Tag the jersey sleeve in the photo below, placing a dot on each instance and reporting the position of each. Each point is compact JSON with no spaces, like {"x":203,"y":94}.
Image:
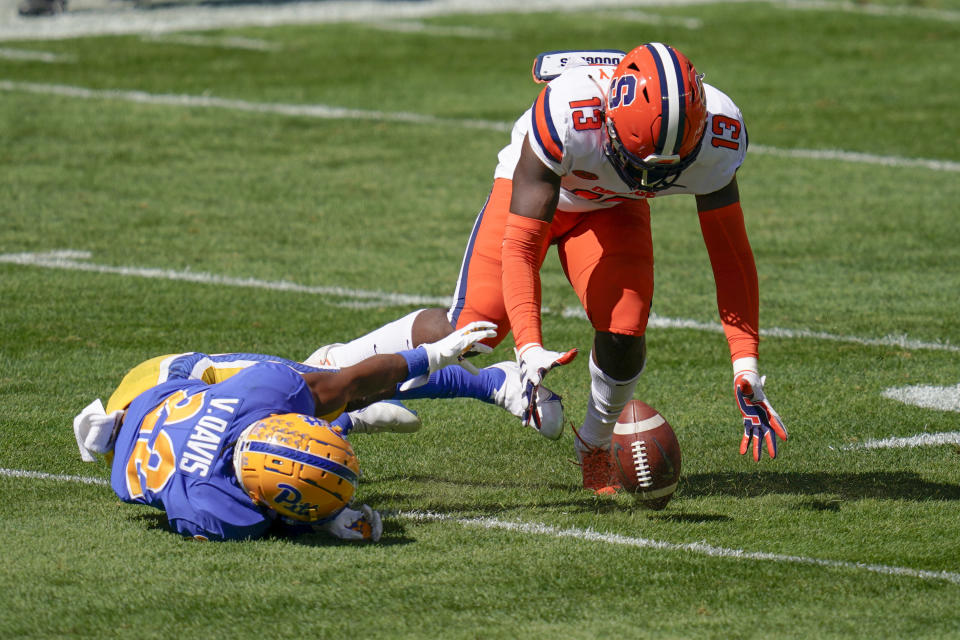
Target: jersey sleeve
{"x":546,"y":132}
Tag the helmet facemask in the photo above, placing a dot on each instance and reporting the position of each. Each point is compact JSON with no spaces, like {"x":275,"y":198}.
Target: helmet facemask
{"x":655,"y":117}
{"x":652,"y":173}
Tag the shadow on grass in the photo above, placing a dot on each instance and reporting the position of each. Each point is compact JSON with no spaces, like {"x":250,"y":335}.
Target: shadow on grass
{"x":899,"y":485}
{"x":394,"y":533}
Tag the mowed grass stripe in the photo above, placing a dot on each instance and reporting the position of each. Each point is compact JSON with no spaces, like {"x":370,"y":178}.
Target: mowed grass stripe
{"x":333,"y":112}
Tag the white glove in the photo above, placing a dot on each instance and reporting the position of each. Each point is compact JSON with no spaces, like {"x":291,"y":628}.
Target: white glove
{"x":450,"y":350}
{"x":535,"y":362}
{"x":351,"y":524}
{"x":761,"y":423}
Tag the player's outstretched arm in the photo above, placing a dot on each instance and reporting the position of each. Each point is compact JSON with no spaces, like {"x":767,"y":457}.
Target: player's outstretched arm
{"x":536,"y":191}
{"x":376,"y":378}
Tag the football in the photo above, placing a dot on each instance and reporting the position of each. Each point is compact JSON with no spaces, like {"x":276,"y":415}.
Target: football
{"x":645,"y":454}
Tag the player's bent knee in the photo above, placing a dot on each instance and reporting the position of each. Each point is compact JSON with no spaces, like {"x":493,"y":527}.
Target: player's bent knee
{"x":430,"y":325}
{"x":620,"y":356}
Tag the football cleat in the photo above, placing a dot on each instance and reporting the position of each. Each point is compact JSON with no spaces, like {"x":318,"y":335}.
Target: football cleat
{"x":548,"y":421}
{"x":596,"y":466}
{"x":656,"y":114}
{"x":385,"y":416}
{"x":296,"y":465}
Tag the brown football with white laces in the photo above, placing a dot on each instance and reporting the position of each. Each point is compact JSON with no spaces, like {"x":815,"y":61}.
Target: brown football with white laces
{"x":645,"y":454}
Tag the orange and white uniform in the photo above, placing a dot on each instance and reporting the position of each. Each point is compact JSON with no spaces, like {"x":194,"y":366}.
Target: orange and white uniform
{"x":601,"y":227}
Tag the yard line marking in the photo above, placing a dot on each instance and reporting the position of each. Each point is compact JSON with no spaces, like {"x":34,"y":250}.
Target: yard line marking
{"x":589,"y":535}
{"x":194,"y":18}
{"x":900,"y":11}
{"x":356,"y":298}
{"x":657,"y":19}
{"x":36,"y":56}
{"x":322,"y":111}
{"x":443,"y":31}
{"x":72,"y":260}
{"x":927,"y":396}
{"x":218,"y":42}
{"x":700,"y":548}
{"x":919,"y":440}
{"x":853,"y":156}
{"x":39,"y":475}
{"x":661,"y":322}
{"x":303,"y":110}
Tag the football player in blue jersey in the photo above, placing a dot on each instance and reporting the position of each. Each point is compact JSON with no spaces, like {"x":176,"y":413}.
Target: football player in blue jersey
{"x":234,"y":451}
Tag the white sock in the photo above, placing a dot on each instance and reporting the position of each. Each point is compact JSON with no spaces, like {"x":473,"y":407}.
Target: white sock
{"x":390,"y":338}
{"x":608,"y":397}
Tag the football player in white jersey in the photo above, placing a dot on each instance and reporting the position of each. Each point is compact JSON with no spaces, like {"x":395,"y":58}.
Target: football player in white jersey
{"x":605,"y":135}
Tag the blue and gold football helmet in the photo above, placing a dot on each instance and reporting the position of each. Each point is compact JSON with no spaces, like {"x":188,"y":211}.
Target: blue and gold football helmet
{"x":297,"y":465}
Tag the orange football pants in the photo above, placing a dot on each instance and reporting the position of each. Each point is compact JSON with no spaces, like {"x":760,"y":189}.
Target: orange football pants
{"x":606,"y":254}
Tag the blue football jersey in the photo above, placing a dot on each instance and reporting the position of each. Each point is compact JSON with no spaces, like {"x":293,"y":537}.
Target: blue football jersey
{"x":175,"y":448}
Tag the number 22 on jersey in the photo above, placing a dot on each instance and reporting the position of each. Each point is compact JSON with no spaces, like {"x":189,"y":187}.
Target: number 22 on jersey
{"x":151,"y":467}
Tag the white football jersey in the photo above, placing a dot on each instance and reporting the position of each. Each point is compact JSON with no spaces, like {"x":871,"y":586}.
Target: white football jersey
{"x":565,"y":125}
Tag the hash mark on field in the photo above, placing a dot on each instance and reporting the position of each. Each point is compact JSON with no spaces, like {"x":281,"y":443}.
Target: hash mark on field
{"x":927,"y":396}
{"x":362,"y":298}
{"x":329,"y":112}
{"x":589,"y":535}
{"x":920,"y":440}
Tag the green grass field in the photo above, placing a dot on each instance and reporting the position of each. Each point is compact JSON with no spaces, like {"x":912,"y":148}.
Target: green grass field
{"x":184,"y":214}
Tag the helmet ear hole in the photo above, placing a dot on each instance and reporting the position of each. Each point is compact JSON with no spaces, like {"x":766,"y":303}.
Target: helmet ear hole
{"x":296,"y":465}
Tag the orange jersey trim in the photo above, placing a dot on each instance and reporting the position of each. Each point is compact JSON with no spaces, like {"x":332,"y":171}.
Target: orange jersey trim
{"x":543,"y":129}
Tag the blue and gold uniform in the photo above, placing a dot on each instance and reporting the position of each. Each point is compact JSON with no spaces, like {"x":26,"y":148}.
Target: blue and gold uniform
{"x":174,"y":450}
{"x":194,"y":365}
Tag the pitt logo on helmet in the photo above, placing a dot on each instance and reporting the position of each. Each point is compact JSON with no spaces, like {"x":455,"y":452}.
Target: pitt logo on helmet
{"x":296,"y":465}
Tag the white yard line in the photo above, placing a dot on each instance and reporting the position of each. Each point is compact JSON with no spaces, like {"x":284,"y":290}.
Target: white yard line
{"x":214,"y":42}
{"x":589,"y":535}
{"x":353,"y":298}
{"x":920,"y":440}
{"x":71,"y":260}
{"x":106,"y":17}
{"x":29,"y":55}
{"x":927,"y":396}
{"x":699,"y":548}
{"x":322,"y":111}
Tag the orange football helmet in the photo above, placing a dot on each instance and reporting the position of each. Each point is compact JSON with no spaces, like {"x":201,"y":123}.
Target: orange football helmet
{"x":655,"y":118}
{"x":297,"y":465}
